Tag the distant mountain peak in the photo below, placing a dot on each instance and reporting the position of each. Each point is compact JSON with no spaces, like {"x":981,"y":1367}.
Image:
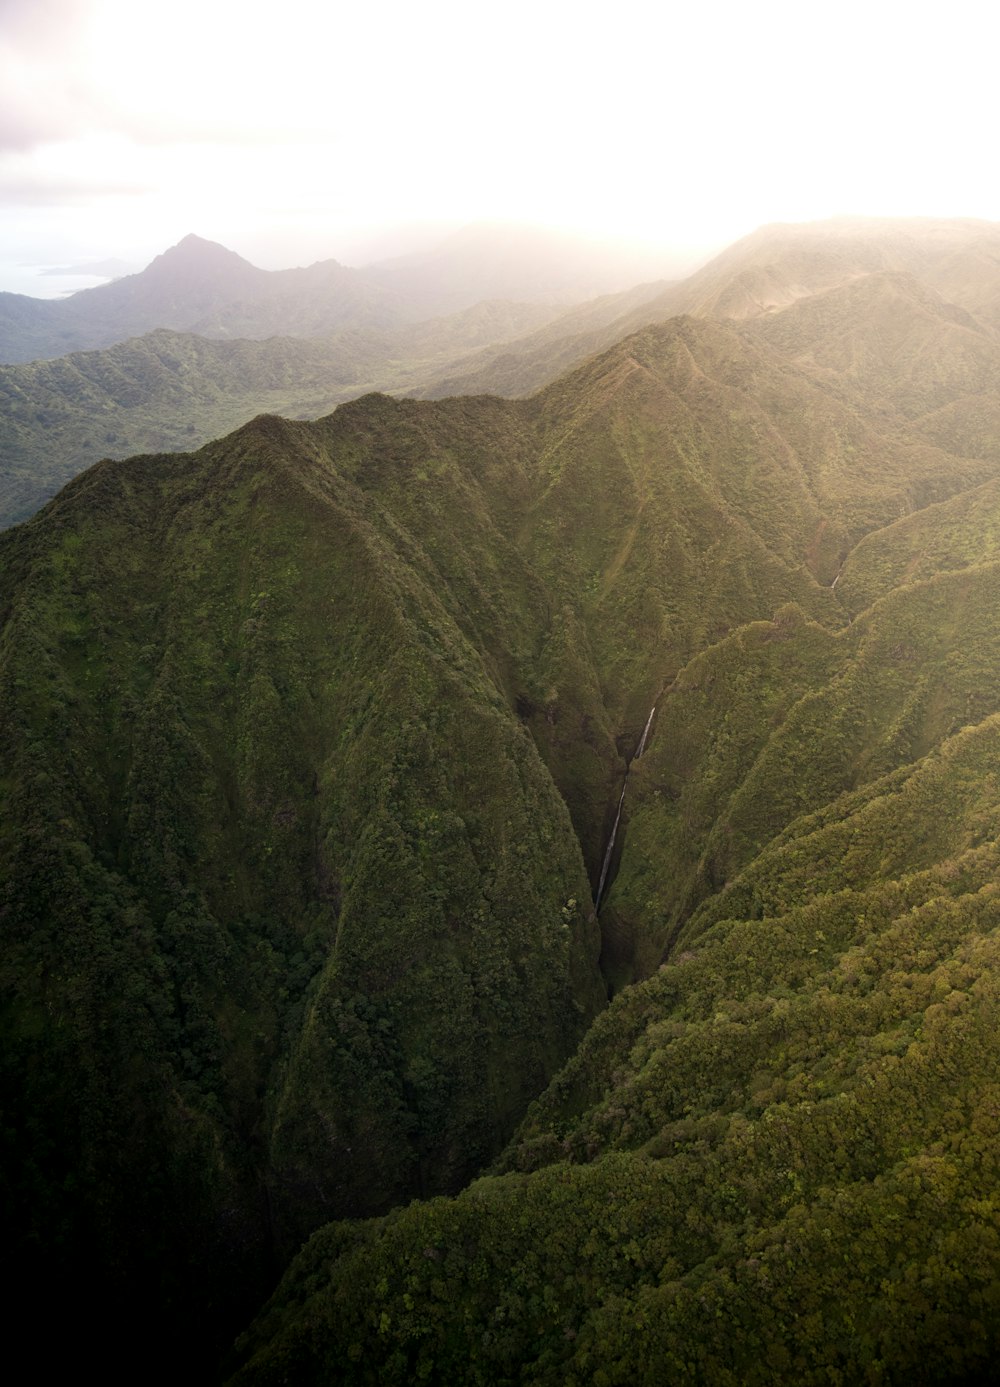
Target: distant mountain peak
{"x":194,"y":244}
{"x":194,"y":252}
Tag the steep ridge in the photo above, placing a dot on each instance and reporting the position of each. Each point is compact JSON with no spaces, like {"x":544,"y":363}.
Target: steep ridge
{"x":764,"y":273}
{"x":311,"y":741}
{"x":536,"y":358}
{"x":780,"y":264}
{"x":892,"y":340}
{"x":264,"y":779}
{"x":51,"y":424}
{"x":160,"y":392}
{"x":687,"y":482}
{"x":944,"y":538}
{"x":759,"y":744}
{"x":774,"y":1159}
{"x":167,"y":391}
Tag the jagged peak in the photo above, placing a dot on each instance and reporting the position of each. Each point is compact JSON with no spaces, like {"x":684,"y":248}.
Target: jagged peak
{"x":196,"y":253}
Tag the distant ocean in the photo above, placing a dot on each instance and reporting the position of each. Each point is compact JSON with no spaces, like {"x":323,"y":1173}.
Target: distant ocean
{"x":41,"y":283}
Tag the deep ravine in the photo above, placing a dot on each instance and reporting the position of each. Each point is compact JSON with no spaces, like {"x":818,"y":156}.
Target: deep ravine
{"x":621,"y":800}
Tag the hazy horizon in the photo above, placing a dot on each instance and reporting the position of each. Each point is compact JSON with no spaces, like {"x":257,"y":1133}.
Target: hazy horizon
{"x":358,"y":135}
{"x":48,"y":279}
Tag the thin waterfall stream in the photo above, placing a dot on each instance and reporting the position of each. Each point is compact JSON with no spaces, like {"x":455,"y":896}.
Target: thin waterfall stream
{"x":611,"y":841}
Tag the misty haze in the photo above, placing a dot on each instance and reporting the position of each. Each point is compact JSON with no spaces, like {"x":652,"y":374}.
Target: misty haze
{"x":500,"y":574}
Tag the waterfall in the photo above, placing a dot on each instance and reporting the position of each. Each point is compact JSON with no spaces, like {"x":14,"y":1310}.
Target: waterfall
{"x":611,"y":841}
{"x":649,"y":723}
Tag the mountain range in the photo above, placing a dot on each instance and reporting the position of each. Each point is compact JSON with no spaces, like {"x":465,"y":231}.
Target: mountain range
{"x":314,"y":740}
{"x":199,"y":286}
{"x":161,"y":394}
{"x":169,"y":391}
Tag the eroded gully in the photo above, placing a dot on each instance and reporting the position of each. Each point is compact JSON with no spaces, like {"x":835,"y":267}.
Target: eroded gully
{"x":621,"y":800}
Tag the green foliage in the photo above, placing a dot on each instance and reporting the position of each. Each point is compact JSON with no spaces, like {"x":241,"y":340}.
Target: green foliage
{"x":776,"y":1158}
{"x":170,"y":391}
{"x":943,"y":538}
{"x":233,"y":682}
{"x":310,"y":742}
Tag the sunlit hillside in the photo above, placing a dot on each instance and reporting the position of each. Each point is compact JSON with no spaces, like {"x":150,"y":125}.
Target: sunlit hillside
{"x":314,"y":738}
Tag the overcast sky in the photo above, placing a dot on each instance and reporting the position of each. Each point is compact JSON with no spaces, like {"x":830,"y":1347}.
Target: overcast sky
{"x":292,"y":131}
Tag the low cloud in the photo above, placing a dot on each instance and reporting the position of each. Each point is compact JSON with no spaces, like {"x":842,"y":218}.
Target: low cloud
{"x":37,"y":26}
{"x":29,"y":118}
{"x":41,"y":96}
{"x":20,"y":190}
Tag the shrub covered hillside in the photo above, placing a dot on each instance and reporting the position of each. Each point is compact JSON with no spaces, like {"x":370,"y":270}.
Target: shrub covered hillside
{"x":777,"y":1158}
{"x":295,"y":920}
{"x":312,"y":741}
{"x":173,"y":391}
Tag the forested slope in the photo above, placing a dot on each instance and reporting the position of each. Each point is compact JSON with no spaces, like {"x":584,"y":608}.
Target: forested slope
{"x":900,"y":316}
{"x":312,"y":742}
{"x":173,"y":391}
{"x":776,"y":1158}
{"x":295,"y":920}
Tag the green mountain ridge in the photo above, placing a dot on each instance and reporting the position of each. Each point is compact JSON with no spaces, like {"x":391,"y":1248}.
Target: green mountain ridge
{"x":765,"y":273}
{"x":262,"y":806}
{"x":773,"y":1159}
{"x":313,"y":739}
{"x":52,"y":423}
{"x":170,"y":391}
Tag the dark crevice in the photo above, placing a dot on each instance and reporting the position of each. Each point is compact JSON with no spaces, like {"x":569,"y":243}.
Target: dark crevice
{"x":603,"y":881}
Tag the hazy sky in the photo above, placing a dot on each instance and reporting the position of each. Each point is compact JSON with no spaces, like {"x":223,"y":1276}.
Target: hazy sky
{"x":291,"y":131}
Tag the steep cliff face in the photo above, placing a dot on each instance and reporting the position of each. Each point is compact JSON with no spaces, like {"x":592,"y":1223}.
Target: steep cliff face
{"x":312,"y":741}
{"x":296,"y":919}
{"x":776,"y":1157}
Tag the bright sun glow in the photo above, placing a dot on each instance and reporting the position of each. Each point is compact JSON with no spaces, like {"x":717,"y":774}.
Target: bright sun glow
{"x":287,"y":130}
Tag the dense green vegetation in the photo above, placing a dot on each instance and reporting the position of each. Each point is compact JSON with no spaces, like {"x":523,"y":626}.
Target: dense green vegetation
{"x":234,"y":788}
{"x":776,"y":1158}
{"x":171,"y":391}
{"x":312,"y":739}
{"x":874,"y":318}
